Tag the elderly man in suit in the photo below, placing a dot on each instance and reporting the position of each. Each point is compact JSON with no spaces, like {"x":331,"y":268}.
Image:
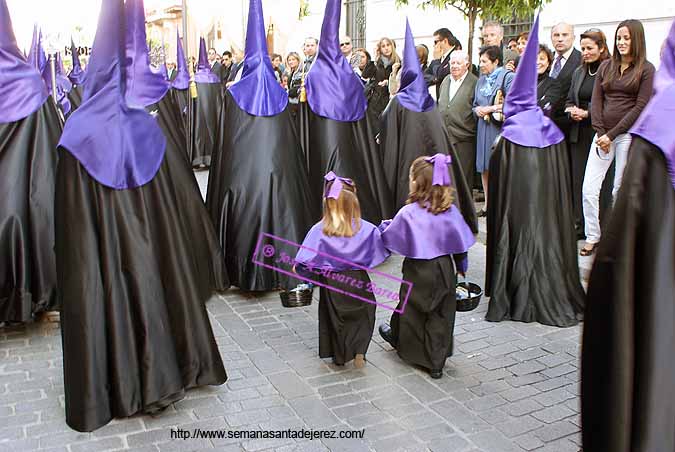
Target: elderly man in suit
{"x":455,"y":103}
{"x":566,"y":60}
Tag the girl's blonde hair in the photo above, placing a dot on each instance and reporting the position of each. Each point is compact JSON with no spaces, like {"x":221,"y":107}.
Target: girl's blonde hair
{"x":394,"y":55}
{"x":435,"y":198}
{"x":342,"y":216}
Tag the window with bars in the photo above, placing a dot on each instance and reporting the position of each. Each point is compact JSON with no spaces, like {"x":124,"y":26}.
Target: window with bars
{"x":356,"y":21}
{"x":514,"y":26}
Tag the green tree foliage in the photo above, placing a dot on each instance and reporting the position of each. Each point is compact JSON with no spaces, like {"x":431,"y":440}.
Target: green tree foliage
{"x":472,"y":9}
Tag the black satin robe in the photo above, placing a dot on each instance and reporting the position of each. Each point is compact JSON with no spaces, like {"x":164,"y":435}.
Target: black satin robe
{"x":28,"y":161}
{"x":75,"y":97}
{"x":206,"y":113}
{"x":627,"y":372}
{"x":132,"y":284}
{"x":346,"y":323}
{"x":532,"y":272}
{"x":406,"y":135}
{"x":348,"y":149}
{"x":258,"y":184}
{"x":185,"y":106}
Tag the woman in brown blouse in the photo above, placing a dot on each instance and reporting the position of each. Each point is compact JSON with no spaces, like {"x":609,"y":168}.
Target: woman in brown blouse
{"x":622,"y":88}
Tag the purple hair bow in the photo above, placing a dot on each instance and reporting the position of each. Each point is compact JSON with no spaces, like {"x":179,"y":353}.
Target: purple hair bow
{"x":336,"y":186}
{"x":441,"y":174}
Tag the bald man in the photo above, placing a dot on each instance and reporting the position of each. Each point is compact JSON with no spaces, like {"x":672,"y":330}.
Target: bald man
{"x":566,"y":60}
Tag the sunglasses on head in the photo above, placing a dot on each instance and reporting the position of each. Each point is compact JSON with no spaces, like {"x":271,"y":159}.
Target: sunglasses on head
{"x":593,"y":30}
{"x":342,"y":44}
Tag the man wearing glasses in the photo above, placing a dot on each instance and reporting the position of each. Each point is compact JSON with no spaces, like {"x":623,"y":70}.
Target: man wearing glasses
{"x":444,"y":44}
{"x":348,"y":51}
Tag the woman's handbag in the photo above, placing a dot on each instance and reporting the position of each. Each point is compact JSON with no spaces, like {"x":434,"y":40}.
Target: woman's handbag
{"x":497,"y":117}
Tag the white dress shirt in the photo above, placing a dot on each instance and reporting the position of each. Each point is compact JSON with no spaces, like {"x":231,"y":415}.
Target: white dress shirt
{"x":456,"y":84}
{"x":563,"y":60}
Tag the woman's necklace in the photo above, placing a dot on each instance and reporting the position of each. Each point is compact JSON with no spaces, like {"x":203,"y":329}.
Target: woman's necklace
{"x":592,"y":74}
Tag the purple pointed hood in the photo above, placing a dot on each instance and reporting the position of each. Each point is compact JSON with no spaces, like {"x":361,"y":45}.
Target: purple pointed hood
{"x":654,"y":123}
{"x":413,"y":93}
{"x":525,"y":122}
{"x":62,"y":82}
{"x":334,"y":91}
{"x":22,"y":91}
{"x":144,"y":87}
{"x":76,"y":75}
{"x":128,"y":151}
{"x":258,"y":93}
{"x":204,"y":74}
{"x":34,"y":52}
{"x":182,"y":80}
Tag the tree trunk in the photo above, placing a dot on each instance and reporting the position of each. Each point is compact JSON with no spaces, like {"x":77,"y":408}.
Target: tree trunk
{"x":472,"y":26}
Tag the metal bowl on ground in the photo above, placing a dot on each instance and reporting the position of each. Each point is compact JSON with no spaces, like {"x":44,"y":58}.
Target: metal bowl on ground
{"x":296,"y":298}
{"x":468,"y":296}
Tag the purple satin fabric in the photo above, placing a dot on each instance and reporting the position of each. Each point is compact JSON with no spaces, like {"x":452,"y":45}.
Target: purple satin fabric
{"x":76,"y":75}
{"x":120,"y":147}
{"x":413,"y":93}
{"x":204,"y":74}
{"x":526,"y":124}
{"x":144,"y":87}
{"x":334,"y":91}
{"x":654,"y":123}
{"x":365,"y":248}
{"x":417,"y":233}
{"x":182,"y":80}
{"x":22,"y":91}
{"x":257,"y":92}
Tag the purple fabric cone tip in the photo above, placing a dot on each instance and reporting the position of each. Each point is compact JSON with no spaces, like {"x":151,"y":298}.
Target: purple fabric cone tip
{"x":33,"y":57}
{"x":654,"y":123}
{"x":143,"y":86}
{"x":333,"y":185}
{"x":365,"y":248}
{"x":76,"y":75}
{"x":417,"y":233}
{"x":22,"y":90}
{"x":526,"y":124}
{"x":204,"y":74}
{"x":334,"y":91}
{"x":413,"y":93}
{"x":129,"y":150}
{"x":258,"y":93}
{"x":182,"y":80}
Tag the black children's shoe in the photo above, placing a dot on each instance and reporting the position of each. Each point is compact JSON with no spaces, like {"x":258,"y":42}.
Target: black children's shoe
{"x":385,"y":332}
{"x":436,"y":373}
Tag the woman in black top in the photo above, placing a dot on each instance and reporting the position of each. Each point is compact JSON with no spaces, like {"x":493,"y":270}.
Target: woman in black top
{"x":594,"y":51}
{"x":378,"y":92}
{"x":549,"y":91}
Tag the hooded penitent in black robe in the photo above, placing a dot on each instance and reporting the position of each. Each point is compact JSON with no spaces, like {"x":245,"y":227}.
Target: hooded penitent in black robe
{"x":208,"y":256}
{"x":206,"y":113}
{"x":348,"y":149}
{"x":406,"y":135}
{"x":258,"y":184}
{"x":532,"y":269}
{"x":185,"y":105}
{"x":75,"y":97}
{"x":627,"y":372}
{"x":27,"y":170}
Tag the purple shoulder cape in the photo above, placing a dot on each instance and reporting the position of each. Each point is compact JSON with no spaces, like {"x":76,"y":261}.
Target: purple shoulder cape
{"x":365,"y":248}
{"x":417,"y":233}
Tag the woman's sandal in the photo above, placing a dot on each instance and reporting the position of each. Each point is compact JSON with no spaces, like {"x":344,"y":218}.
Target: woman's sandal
{"x":588,"y":251}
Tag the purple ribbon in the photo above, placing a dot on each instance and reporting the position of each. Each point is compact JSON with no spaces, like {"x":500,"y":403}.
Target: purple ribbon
{"x":441,"y":174}
{"x":336,"y":186}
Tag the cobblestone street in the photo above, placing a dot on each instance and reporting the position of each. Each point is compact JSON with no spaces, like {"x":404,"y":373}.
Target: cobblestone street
{"x":509,"y":386}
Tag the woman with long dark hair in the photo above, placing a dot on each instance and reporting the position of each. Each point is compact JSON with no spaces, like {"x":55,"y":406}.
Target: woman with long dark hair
{"x":622,"y":89}
{"x":594,"y":51}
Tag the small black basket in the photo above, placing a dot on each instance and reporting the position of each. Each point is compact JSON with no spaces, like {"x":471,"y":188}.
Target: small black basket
{"x":296,"y":298}
{"x":470,"y":303}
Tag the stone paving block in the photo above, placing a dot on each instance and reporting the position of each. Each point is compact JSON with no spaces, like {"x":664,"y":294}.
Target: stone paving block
{"x":219,"y":410}
{"x":264,"y":402}
{"x":347,"y":399}
{"x":559,"y":370}
{"x":420,"y":388}
{"x":451,"y":444}
{"x":555,"y":431}
{"x":280,"y":412}
{"x":491,"y":387}
{"x":346,"y":445}
{"x":246,"y":383}
{"x":493,"y":441}
{"x":20,"y":445}
{"x":473,"y":346}
{"x":485,"y":403}
{"x":554,"y":413}
{"x":120,"y":427}
{"x":289,"y":385}
{"x":383,"y":430}
{"x":434,"y":432}
{"x":307,"y":446}
{"x":493,"y":375}
{"x":314,"y":412}
{"x":562,"y":445}
{"x":367,"y":420}
{"x":403,"y":442}
{"x":494,"y":417}
{"x":522,"y":392}
{"x":421,"y":420}
{"x":166,"y":419}
{"x":12,"y":433}
{"x":498,"y":363}
{"x":334,"y":390}
{"x":459,"y":417}
{"x":556,"y":359}
{"x":189,"y":404}
{"x":247,"y":417}
{"x":525,"y":380}
{"x":261,"y":444}
{"x":528,"y":442}
{"x":519,"y":426}
{"x":522,"y":407}
{"x":528,"y":367}
{"x":554,"y":397}
{"x":352,"y":411}
{"x":551,"y":383}
{"x":98,"y":445}
{"x":22,"y":420}
{"x":11,"y":398}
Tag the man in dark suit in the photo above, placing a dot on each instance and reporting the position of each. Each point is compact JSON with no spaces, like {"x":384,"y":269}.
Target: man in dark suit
{"x":455,"y":104}
{"x":444,"y":44}
{"x":225,"y":66}
{"x":213,"y":61}
{"x":171,"y":71}
{"x":566,"y":60}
